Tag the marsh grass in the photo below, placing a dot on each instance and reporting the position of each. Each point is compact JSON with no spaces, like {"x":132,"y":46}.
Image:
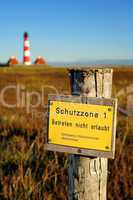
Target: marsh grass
{"x":27,"y":171}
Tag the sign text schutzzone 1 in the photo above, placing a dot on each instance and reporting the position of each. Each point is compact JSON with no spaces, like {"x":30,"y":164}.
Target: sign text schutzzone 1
{"x":82,"y":127}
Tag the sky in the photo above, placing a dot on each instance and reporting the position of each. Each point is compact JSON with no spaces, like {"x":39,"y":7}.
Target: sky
{"x":67,"y":30}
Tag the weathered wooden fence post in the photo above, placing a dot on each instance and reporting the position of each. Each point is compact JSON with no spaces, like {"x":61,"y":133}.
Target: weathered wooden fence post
{"x":88,"y":176}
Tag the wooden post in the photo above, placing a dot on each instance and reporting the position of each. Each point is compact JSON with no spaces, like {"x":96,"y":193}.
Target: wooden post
{"x":88,"y":176}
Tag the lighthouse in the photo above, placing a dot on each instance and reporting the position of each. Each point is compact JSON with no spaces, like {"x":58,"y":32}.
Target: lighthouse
{"x":26,"y":50}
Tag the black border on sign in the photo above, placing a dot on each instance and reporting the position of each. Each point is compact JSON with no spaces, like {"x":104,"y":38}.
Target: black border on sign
{"x":76,"y":150}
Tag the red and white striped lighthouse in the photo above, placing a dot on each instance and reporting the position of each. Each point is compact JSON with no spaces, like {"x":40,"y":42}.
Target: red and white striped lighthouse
{"x":26,"y":55}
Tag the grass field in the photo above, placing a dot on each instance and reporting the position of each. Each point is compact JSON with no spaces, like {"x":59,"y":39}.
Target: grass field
{"x":27,"y":171}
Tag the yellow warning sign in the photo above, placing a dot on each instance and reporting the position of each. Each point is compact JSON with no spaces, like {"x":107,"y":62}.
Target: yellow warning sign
{"x":86,"y":126}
